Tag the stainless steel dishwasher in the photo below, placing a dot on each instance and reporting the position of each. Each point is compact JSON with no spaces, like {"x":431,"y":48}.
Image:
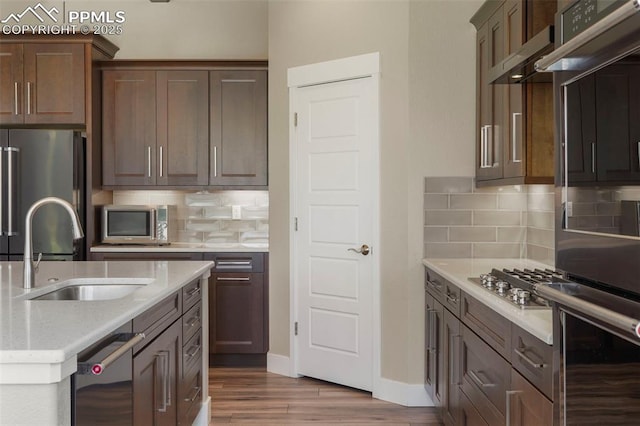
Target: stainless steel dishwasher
{"x":102,"y":388}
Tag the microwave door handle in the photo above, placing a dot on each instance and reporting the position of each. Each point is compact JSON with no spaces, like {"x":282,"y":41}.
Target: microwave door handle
{"x":154,"y":223}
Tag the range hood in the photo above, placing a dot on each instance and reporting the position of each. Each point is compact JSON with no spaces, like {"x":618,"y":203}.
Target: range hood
{"x":519,"y":67}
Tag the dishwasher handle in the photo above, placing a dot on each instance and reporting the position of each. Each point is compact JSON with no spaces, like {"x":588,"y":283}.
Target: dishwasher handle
{"x":98,"y":368}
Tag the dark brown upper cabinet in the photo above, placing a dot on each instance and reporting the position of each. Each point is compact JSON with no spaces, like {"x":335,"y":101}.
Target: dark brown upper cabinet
{"x":42,"y":83}
{"x":514,"y":133}
{"x":238,"y":149}
{"x":184,"y":124}
{"x":155,"y":127}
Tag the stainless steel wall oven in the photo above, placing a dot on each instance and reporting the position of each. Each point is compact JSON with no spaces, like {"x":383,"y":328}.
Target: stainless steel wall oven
{"x":596,"y":67}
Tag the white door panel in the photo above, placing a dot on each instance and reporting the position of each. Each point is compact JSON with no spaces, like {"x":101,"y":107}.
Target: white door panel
{"x":335,"y":147}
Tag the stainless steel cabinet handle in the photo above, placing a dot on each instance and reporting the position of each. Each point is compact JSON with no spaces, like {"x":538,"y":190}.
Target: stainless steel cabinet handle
{"x":11,"y":151}
{"x":149,"y":161}
{"x":476,"y":378}
{"x":451,"y":298}
{"x":482,"y":145}
{"x":15,"y":98}
{"x":215,"y":161}
{"x":193,"y":292}
{"x":431,"y":345}
{"x":166,"y":386}
{"x":514,"y":136}
{"x":197,"y":390}
{"x":593,"y":157}
{"x":490,"y":145}
{"x":520,"y":351}
{"x":455,"y":372}
{"x":435,"y":284}
{"x":1,"y":191}
{"x":193,"y":321}
{"x":233,"y":279}
{"x":509,"y":393}
{"x":161,"y":169}
{"x":28,"y":97}
{"x":363,"y":250}
{"x":234,"y":263}
{"x":193,"y":350}
{"x":99,"y":367}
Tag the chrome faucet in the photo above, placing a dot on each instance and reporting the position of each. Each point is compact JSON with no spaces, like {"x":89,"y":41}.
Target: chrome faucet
{"x":31,"y":267}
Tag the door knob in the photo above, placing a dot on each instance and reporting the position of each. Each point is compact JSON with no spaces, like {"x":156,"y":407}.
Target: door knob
{"x":364,"y":250}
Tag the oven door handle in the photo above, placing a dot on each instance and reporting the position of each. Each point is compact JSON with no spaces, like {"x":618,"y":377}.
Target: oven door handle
{"x":98,"y":368}
{"x":615,"y":319}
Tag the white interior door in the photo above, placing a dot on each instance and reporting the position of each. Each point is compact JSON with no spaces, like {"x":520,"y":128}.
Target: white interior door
{"x":335,"y":185}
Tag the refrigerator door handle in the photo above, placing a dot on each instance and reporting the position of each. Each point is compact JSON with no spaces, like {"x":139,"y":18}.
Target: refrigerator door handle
{"x":1,"y":192}
{"x":10,"y":182}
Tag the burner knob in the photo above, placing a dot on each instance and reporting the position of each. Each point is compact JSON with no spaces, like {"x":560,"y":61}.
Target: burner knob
{"x":502,"y":287}
{"x":523,"y":297}
{"x":489,"y":281}
{"x":513,"y":294}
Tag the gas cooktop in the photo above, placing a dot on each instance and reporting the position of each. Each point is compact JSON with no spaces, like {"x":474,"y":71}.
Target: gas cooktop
{"x":515,"y":285}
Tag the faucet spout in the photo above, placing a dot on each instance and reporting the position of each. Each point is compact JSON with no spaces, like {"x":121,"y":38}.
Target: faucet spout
{"x":30,"y":267}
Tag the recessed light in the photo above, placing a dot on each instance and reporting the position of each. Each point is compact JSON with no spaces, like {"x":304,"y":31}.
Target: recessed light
{"x":517,"y":76}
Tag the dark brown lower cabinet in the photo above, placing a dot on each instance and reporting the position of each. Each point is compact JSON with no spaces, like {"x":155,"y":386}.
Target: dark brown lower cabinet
{"x":237,"y":314}
{"x":480,"y":368}
{"x":155,"y":379}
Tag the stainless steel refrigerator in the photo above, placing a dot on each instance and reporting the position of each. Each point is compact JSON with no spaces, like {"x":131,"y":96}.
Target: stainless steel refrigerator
{"x":35,"y":164}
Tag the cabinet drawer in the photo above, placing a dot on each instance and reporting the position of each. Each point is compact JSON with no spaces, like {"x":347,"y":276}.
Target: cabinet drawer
{"x":485,"y":377}
{"x":527,"y":405}
{"x":191,"y":294}
{"x":237,"y":262}
{"x":192,"y":356}
{"x":192,"y":321}
{"x":491,"y":326}
{"x":189,"y":400}
{"x":155,"y":320}
{"x":434,"y":283}
{"x":469,"y":416}
{"x":533,"y":359}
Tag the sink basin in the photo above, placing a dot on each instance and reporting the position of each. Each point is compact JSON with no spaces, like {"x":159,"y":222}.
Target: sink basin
{"x":90,"y":292}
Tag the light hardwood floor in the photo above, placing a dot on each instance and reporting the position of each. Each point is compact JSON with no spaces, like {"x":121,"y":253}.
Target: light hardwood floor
{"x":253,"y":396}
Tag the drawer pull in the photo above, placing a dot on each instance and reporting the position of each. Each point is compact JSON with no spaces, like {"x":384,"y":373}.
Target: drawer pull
{"x":508,"y":410}
{"x":193,"y":321}
{"x":193,"y":292}
{"x":435,"y":284}
{"x":476,"y":378}
{"x":193,"y":350}
{"x":431,"y":344}
{"x":233,"y":279}
{"x":451,"y":298}
{"x":521,"y":353}
{"x":197,"y":390}
{"x":234,"y":263}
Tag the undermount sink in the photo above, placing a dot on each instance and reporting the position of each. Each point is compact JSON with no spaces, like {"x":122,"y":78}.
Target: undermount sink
{"x":94,"y":289}
{"x":90,"y":292}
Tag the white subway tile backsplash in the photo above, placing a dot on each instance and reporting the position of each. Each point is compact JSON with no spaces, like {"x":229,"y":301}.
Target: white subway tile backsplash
{"x":509,"y":221}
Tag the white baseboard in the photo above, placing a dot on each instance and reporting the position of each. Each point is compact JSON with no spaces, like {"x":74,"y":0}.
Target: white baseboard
{"x":409,"y":395}
{"x":204,"y":415}
{"x":279,"y":364}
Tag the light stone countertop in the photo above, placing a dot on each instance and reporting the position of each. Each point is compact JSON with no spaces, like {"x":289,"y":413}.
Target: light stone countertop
{"x":183,"y":247}
{"x":44,"y":337}
{"x":537,"y":322}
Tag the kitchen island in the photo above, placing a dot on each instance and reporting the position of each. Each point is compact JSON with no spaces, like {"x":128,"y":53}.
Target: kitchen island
{"x":40,"y":339}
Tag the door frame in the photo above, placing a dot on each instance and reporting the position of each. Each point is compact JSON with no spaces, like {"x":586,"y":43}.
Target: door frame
{"x":361,"y":66}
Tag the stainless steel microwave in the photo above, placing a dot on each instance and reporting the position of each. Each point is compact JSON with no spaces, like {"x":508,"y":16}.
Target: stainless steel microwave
{"x":139,"y":224}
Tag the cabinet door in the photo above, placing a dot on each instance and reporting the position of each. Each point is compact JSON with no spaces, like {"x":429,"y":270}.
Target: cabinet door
{"x":469,"y":415}
{"x":155,"y":373}
{"x":55,"y":84}
{"x":236,"y":302}
{"x":452,"y":369}
{"x":526,"y":405}
{"x":617,"y":154}
{"x":182,"y":127}
{"x":129,"y":127}
{"x":514,"y":119}
{"x":434,"y":377}
{"x":11,"y":84}
{"x":580,"y":129}
{"x":238,"y":123}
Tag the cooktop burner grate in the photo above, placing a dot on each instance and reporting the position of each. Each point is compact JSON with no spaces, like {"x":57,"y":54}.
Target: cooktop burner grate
{"x":516,"y":286}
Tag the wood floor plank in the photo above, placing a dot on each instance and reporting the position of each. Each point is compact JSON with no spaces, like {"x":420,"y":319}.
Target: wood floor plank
{"x":253,"y":396}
